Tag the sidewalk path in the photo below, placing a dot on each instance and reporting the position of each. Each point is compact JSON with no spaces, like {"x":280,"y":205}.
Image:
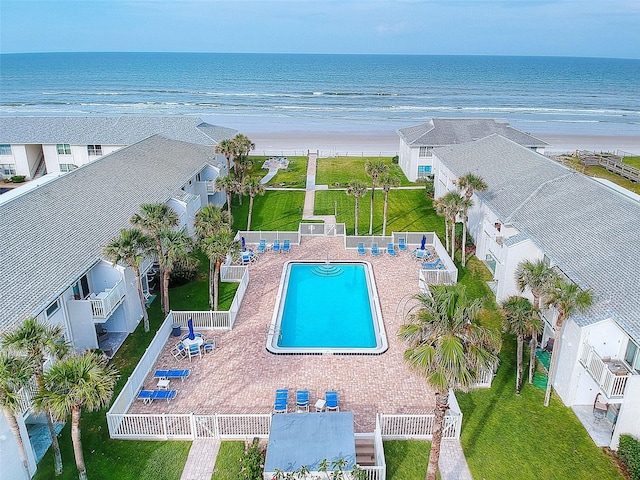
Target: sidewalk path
{"x":452,"y":463}
{"x":310,"y":195}
{"x":201,"y":459}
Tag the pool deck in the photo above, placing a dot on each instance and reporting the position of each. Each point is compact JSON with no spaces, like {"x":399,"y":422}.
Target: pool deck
{"x":241,"y":376}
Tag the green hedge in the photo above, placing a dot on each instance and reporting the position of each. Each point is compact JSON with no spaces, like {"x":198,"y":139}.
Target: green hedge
{"x":629,"y":453}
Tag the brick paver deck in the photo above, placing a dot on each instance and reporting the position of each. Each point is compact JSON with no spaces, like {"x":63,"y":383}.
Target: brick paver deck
{"x":241,"y":376}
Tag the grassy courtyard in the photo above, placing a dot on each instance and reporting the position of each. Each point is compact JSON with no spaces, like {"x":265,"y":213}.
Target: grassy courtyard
{"x":339,"y":171}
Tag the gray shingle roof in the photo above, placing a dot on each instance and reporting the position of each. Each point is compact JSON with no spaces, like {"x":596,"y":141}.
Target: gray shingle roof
{"x":588,"y":229}
{"x":451,"y":131}
{"x":54,"y":233}
{"x":122,"y":130}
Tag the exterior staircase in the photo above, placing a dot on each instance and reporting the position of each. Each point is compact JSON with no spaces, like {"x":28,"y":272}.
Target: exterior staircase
{"x":365,"y":452}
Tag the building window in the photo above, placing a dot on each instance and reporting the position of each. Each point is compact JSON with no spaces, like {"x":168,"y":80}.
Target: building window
{"x":5,"y":149}
{"x":424,"y":171}
{"x":425,"y":151}
{"x":67,"y":167}
{"x":8,"y":169}
{"x":63,"y":149}
{"x":94,"y":150}
{"x":53,"y":308}
{"x":632,"y":356}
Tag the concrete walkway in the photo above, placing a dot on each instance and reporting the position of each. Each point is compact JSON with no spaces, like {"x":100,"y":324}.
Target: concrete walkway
{"x":201,"y":459}
{"x":452,"y":463}
{"x":310,"y":195}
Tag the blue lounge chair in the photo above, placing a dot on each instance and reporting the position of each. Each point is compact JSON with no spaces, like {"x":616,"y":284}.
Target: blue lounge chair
{"x":431,"y":265}
{"x":302,"y":400}
{"x":331,"y":399}
{"x":262,"y":246}
{"x":361,"y":250}
{"x":167,"y":395}
{"x":374,"y":249}
{"x":286,"y":246}
{"x":145,"y":395}
{"x":276,"y":246}
{"x":391,"y":250}
{"x":402,"y":246}
{"x":282,"y":398}
{"x":171,"y":374}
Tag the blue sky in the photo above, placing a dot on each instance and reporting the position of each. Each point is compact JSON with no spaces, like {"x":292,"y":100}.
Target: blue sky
{"x":592,"y":28}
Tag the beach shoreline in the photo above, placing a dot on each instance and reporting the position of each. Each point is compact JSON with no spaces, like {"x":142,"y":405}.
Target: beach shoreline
{"x":386,"y":142}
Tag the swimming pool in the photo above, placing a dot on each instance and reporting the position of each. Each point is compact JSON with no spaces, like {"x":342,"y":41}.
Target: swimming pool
{"x":327,"y":308}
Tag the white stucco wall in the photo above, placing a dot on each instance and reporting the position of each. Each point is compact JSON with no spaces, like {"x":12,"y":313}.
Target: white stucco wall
{"x":512,"y":256}
{"x":18,"y":159}
{"x":10,"y":463}
{"x":629,"y":415}
{"x":565,"y":381}
{"x":82,"y":325}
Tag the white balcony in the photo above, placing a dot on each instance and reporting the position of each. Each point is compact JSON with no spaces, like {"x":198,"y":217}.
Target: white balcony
{"x":104,"y":303}
{"x":610,"y":375}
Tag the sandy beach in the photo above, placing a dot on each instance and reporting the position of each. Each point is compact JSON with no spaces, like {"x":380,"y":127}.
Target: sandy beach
{"x":386,"y":142}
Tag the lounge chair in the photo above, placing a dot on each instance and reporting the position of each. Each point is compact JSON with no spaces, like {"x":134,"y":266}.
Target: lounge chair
{"x":262,"y":246}
{"x":145,"y":395}
{"x":282,"y":398}
{"x":302,"y":400}
{"x":170,"y":374}
{"x":374,"y":249}
{"x":391,"y":250}
{"x":286,"y":246}
{"x":402,"y":246}
{"x":167,"y":395}
{"x":431,"y":265}
{"x":361,"y":250}
{"x":276,"y":246}
{"x":331,"y":399}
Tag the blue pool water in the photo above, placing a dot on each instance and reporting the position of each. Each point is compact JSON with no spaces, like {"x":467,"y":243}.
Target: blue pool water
{"x":327,"y":306}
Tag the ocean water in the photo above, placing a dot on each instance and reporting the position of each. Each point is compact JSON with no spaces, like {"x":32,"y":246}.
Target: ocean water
{"x":587,"y":96}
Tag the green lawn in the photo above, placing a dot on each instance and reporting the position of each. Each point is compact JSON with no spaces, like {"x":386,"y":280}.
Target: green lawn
{"x":633,"y":161}
{"x":409,"y":210}
{"x":275,"y":210}
{"x":126,"y":459}
{"x":295,"y":176}
{"x":342,"y":170}
{"x":228,"y":461}
{"x":601,"y":172}
{"x":406,"y":459}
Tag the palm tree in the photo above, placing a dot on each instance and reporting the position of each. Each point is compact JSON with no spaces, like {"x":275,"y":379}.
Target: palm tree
{"x":387,"y":182}
{"x":210,"y":220}
{"x":37,"y":340}
{"x":242,"y":147}
{"x":253,"y":187}
{"x":226,"y":183}
{"x":520,"y":319}
{"x":15,"y":373}
{"x":243,"y":165}
{"x":449,"y":206}
{"x":217,"y":247}
{"x":177,"y":248}
{"x":226,"y":148}
{"x":468,"y":184}
{"x":131,"y":248}
{"x":75,"y":383}
{"x":566,"y":298}
{"x":538,"y":277}
{"x":357,"y":189}
{"x":374,"y":168}
{"x":152,"y":219}
{"x":449,"y":349}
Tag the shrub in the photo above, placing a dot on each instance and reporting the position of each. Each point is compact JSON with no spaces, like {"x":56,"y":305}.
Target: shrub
{"x":252,"y":462}
{"x":183,"y":275}
{"x":395,"y":160}
{"x":18,"y":178}
{"x":629,"y":453}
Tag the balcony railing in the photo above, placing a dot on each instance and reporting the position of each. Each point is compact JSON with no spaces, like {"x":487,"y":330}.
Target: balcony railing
{"x":612,"y":383}
{"x":104,"y":303}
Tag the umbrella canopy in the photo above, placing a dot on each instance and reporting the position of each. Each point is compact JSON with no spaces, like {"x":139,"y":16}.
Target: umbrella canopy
{"x":192,"y":335}
{"x":244,"y":248}
{"x":423,"y":242}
